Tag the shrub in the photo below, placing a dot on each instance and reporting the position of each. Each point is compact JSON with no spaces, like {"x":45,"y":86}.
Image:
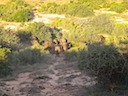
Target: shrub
{"x":71,"y":55}
{"x":105,"y":62}
{"x":40,"y":31}
{"x":26,"y":56}
{"x":16,"y":10}
{"x":93,"y":4}
{"x":23,"y":15}
{"x":24,"y":37}
{"x":20,"y":2}
{"x":80,"y":10}
{"x":102,"y":24}
{"x":73,"y":9}
{"x":117,"y":7}
{"x":4,"y":68}
{"x":8,"y":38}
{"x":3,"y":54}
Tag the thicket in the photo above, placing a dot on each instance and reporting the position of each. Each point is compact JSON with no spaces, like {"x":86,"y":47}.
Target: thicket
{"x":85,"y":30}
{"x":105,"y":62}
{"x":117,"y":7}
{"x":26,"y":56}
{"x":102,"y":24}
{"x":93,"y":4}
{"x":16,"y":10}
{"x":8,"y":38}
{"x":25,"y":38}
{"x":73,"y":9}
{"x":3,"y":54}
{"x":4,"y":68}
{"x":43,"y":32}
{"x":16,"y":49}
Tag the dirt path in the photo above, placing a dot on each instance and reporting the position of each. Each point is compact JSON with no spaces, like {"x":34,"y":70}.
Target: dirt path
{"x":61,"y":78}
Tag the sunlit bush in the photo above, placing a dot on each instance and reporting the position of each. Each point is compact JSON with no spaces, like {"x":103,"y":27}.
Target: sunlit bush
{"x":40,"y":30}
{"x":8,"y":38}
{"x":118,"y":7}
{"x":16,"y":10}
{"x":73,"y":9}
{"x":22,"y":15}
{"x":4,"y":68}
{"x":3,"y":54}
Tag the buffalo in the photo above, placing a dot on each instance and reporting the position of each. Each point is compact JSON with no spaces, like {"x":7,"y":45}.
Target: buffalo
{"x":57,"y":46}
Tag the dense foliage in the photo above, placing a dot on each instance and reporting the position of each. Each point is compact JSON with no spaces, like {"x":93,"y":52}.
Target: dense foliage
{"x":16,"y":10}
{"x":43,"y":32}
{"x":8,"y":38}
{"x":26,"y":56}
{"x":73,"y":9}
{"x":105,"y":62}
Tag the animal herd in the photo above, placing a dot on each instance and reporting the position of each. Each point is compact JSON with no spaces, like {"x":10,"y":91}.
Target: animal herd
{"x":58,"y":46}
{"x":55,"y":46}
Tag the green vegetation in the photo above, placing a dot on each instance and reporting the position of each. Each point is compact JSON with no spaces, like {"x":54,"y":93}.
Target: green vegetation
{"x":68,"y":9}
{"x":4,"y":69}
{"x":85,"y":29}
{"x":116,"y":6}
{"x":16,"y":48}
{"x":22,"y":15}
{"x":40,"y":31}
{"x":16,"y":10}
{"x":26,"y":56}
{"x":119,"y":8}
{"x":43,"y":32}
{"x":8,"y":38}
{"x":105,"y":62}
{"x":106,"y":59}
{"x":3,"y":54}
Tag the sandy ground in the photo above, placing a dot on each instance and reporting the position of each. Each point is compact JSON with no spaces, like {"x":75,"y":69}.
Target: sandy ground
{"x":61,"y":78}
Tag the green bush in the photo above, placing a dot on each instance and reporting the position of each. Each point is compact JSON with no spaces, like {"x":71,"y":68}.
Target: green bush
{"x":26,"y":56}
{"x":93,"y":4}
{"x":16,"y":10}
{"x":105,"y":62}
{"x":73,"y":9}
{"x":3,"y":54}
{"x":20,"y":2}
{"x":25,"y":37}
{"x":40,"y":31}
{"x":102,"y":24}
{"x":50,"y":8}
{"x":80,"y":10}
{"x":22,"y":15}
{"x":8,"y":38}
{"x":117,"y":7}
{"x":4,"y":68}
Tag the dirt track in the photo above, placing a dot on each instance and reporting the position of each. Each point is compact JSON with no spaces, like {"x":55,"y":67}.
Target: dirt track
{"x":61,"y":78}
